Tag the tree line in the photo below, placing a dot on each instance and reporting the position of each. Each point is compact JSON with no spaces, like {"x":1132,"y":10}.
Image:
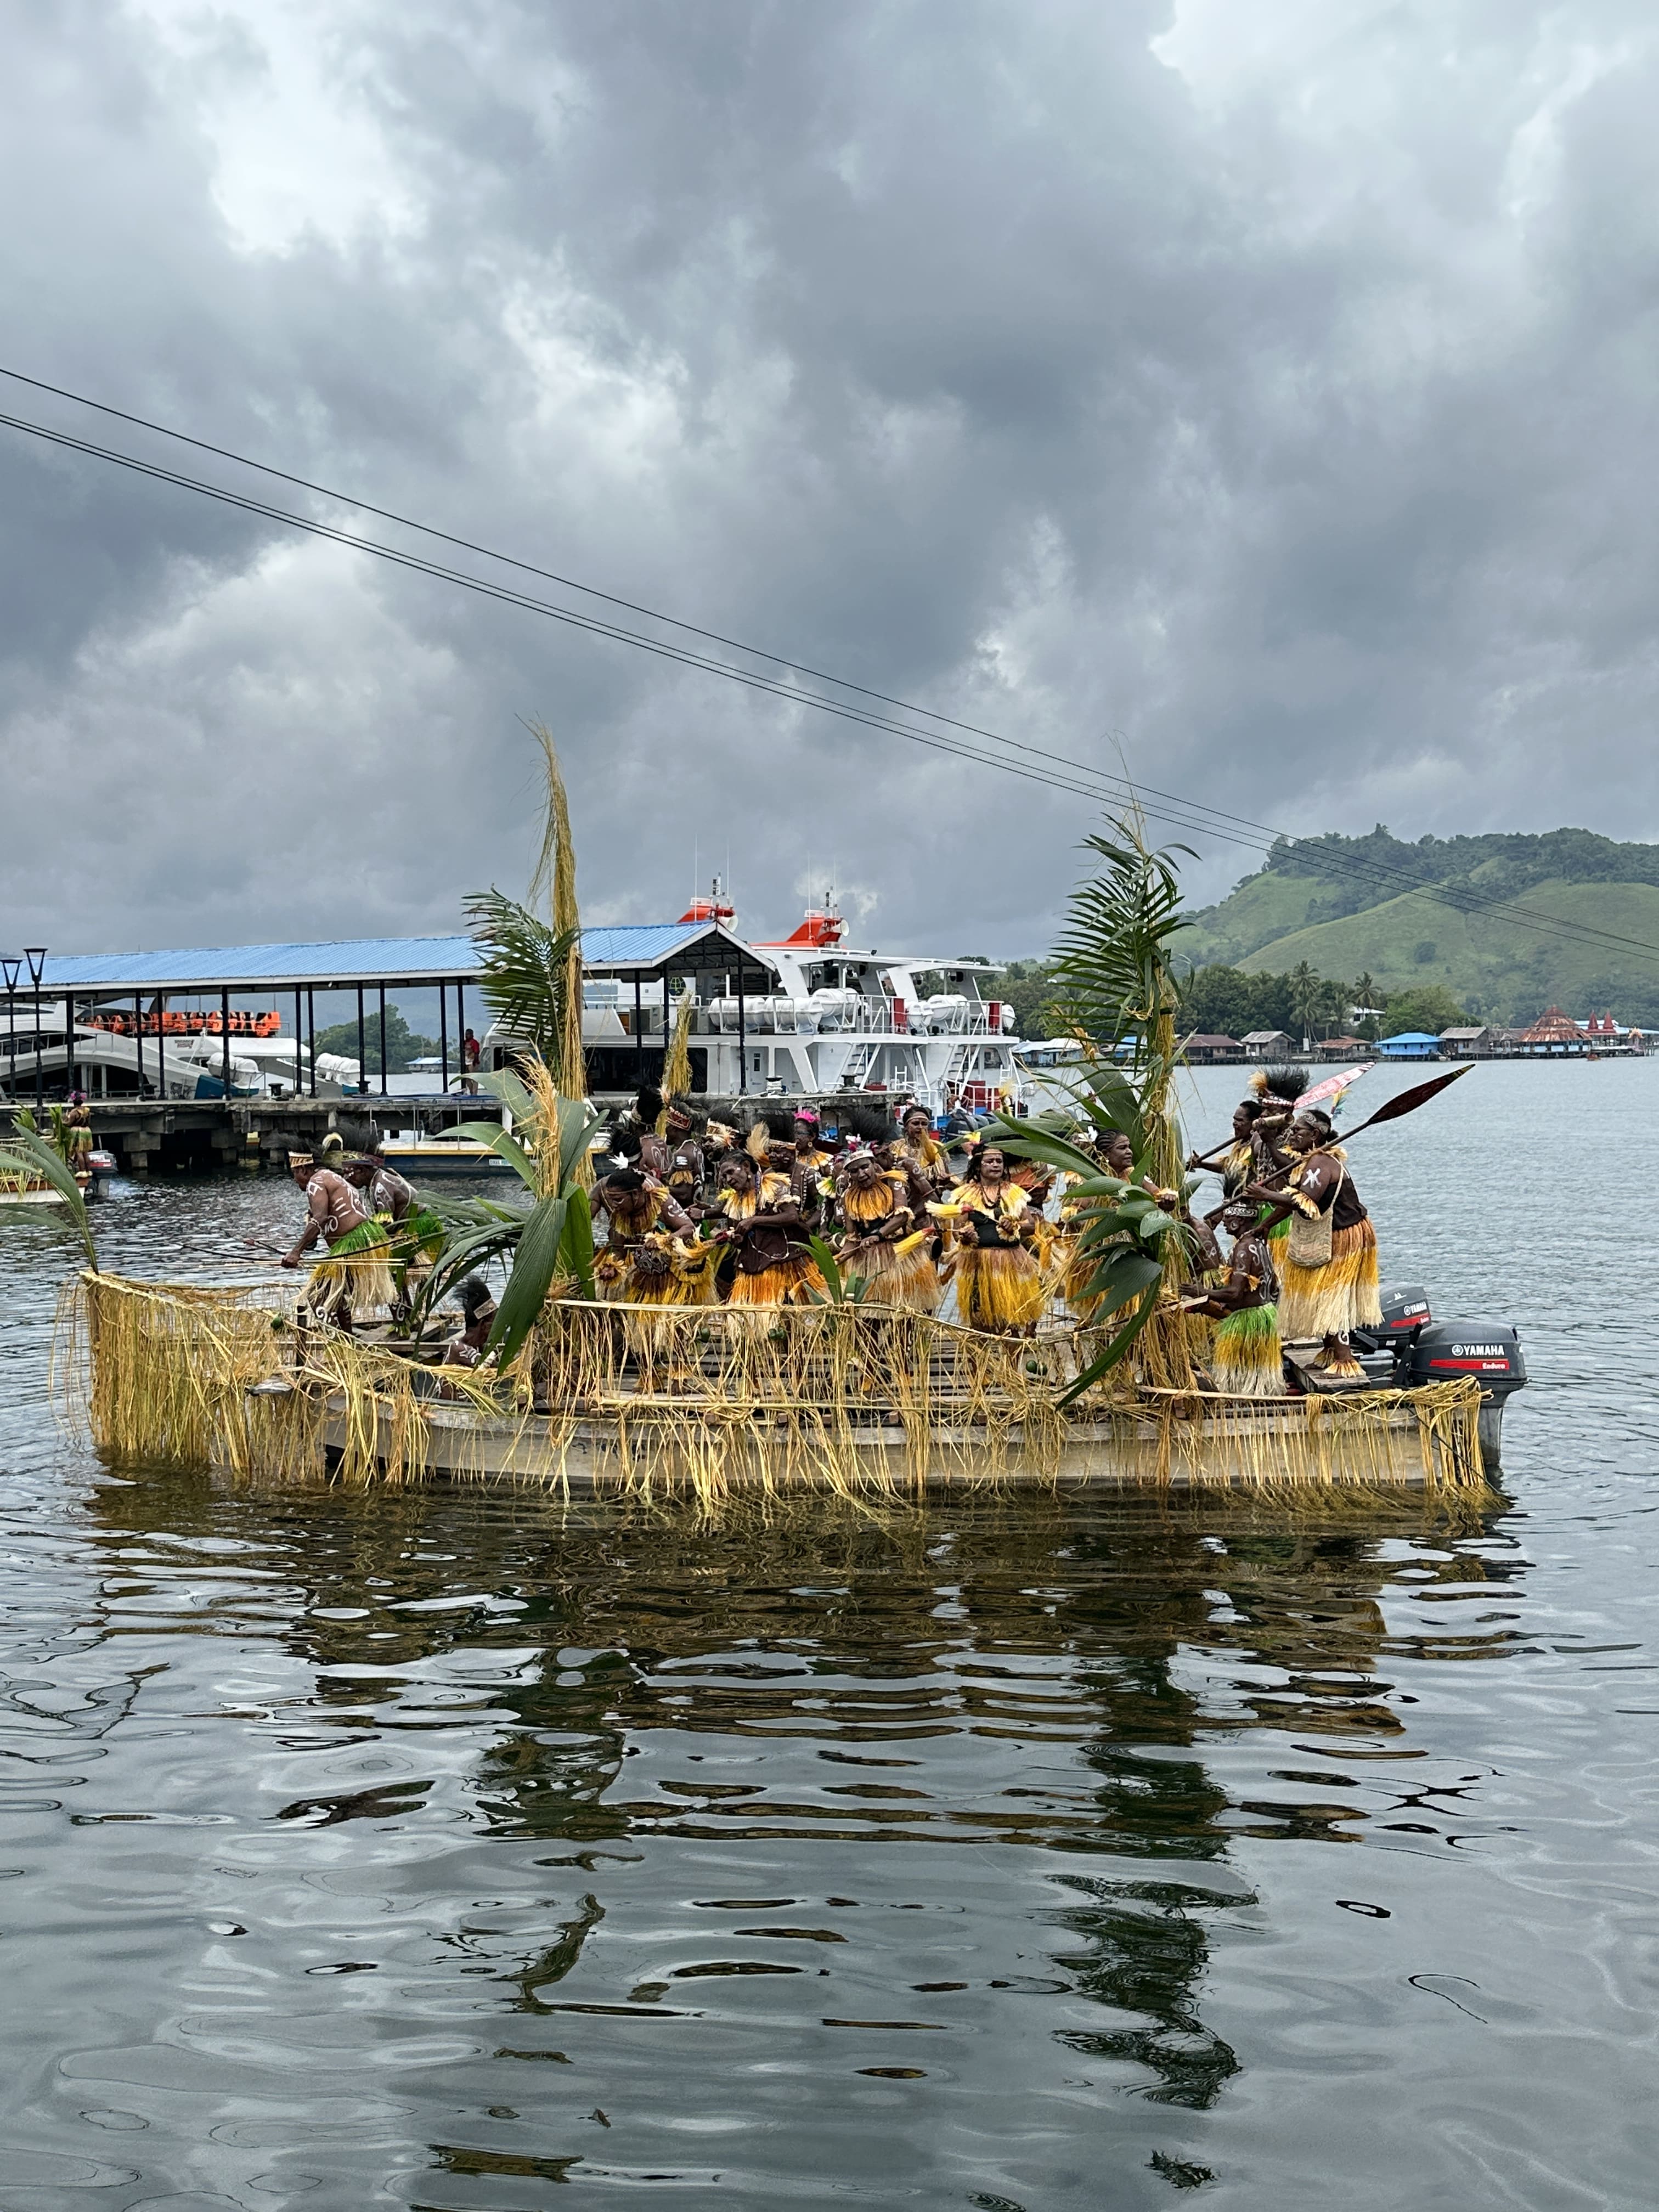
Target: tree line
{"x":1221,"y":1001}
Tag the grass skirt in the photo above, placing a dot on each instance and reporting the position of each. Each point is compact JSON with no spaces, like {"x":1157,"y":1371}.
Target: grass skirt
{"x":1333,"y":1300}
{"x":356,"y":1276}
{"x":998,"y":1288}
{"x":1244,"y":1357}
{"x":786,"y":1285}
{"x":897,"y":1278}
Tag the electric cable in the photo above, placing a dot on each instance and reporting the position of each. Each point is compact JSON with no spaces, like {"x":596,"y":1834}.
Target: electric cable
{"x":1102,"y":786}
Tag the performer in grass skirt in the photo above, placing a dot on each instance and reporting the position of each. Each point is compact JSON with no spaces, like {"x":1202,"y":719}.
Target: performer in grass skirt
{"x":1240,"y":1163}
{"x":355,"y":1274}
{"x":1245,"y":1357}
{"x":885,"y":1241}
{"x":1328,"y":1274}
{"x":634,"y":1205}
{"x":761,"y":1220}
{"x":998,"y":1283}
{"x":917,"y":1148}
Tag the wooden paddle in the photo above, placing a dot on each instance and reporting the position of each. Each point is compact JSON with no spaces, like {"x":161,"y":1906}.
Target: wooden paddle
{"x":1406,"y":1102}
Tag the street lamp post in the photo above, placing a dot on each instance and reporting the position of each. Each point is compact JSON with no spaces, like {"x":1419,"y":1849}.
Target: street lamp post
{"x":36,"y":957}
{"x":11,"y":966}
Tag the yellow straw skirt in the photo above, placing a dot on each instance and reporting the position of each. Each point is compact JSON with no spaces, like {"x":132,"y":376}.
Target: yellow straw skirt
{"x":672,"y":1289}
{"x":1333,"y":1300}
{"x":359,"y":1278}
{"x":788,"y":1284}
{"x":898,"y":1278}
{"x":998,"y":1288}
{"x":1245,"y":1357}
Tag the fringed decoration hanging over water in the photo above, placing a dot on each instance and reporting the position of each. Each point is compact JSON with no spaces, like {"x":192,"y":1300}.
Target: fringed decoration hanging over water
{"x":662,"y":1402}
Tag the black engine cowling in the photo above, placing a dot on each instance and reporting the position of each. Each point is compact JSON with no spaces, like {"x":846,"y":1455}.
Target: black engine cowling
{"x":1443,"y":1350}
{"x":1404,"y":1312}
{"x":1410,"y":1347}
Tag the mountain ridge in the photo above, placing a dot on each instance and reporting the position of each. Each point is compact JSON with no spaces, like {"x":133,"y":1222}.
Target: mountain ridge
{"x":1491,"y":917}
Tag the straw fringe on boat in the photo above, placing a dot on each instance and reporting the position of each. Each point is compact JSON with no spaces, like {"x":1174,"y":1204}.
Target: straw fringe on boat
{"x":662,"y":1402}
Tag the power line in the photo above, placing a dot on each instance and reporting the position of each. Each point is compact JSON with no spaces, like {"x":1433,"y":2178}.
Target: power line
{"x":1224,"y":825}
{"x":1194,"y":816}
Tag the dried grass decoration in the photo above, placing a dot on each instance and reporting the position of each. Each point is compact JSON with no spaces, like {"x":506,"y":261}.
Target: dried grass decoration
{"x":700,"y":1402}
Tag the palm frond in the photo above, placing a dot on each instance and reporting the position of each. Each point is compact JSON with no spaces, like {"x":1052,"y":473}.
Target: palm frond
{"x":535,"y":1266}
{"x":524,"y":971}
{"x":31,"y":1156}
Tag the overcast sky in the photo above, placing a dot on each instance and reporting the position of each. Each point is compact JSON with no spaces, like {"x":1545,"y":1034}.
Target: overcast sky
{"x":1267,"y":390}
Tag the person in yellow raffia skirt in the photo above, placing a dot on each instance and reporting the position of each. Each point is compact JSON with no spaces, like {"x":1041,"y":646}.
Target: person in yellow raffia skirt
{"x":764,"y":1225}
{"x":1328,"y":1273}
{"x":1000,"y":1286}
{"x":636,"y":1208}
{"x":883,"y":1244}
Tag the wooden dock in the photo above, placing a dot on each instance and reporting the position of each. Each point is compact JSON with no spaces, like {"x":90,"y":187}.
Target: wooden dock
{"x":151,"y":1135}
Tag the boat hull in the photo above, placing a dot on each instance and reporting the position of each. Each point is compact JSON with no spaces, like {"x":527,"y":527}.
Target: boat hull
{"x":1384,"y":1444}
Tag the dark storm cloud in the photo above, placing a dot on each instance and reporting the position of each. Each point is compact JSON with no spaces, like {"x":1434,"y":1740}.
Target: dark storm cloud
{"x":1274,"y":390}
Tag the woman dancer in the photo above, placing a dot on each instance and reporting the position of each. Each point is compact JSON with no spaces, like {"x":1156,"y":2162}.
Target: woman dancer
{"x":917,"y":1148}
{"x":762,"y":1222}
{"x":998,"y":1284}
{"x":635,"y":1205}
{"x":885,"y":1241}
{"x":1328,"y":1270}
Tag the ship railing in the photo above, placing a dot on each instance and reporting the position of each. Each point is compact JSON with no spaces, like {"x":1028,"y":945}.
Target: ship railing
{"x":780,"y":1016}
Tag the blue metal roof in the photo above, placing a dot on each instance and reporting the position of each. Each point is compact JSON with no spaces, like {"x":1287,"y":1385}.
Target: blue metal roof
{"x":638,"y":944}
{"x":348,"y":961}
{"x":268,"y":967}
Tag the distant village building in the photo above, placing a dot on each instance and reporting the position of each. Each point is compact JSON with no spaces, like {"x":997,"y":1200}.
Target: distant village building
{"x":1473,"y":1043}
{"x":1213,"y":1051}
{"x":1344,"y":1047}
{"x":1552,"y":1032}
{"x":1410,"y":1044}
{"x":1268,"y":1044}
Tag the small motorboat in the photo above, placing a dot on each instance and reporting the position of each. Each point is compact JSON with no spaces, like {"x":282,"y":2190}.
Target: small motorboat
{"x":416,"y":1154}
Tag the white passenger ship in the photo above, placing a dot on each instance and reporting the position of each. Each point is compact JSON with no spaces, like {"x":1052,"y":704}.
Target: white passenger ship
{"x":836,"y":1020}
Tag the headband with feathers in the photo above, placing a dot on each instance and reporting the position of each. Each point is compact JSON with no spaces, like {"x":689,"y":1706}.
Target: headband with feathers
{"x":1285,"y":1083}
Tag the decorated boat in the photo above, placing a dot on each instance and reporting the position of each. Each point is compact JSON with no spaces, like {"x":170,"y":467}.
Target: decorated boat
{"x":1106,"y":1369}
{"x":717,"y":1403}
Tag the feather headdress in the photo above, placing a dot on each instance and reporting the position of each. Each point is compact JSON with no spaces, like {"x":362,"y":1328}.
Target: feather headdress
{"x":1285,"y":1083}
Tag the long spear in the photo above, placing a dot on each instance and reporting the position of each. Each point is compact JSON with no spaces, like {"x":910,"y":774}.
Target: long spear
{"x":1405,"y":1101}
{"x":1337,"y":1083}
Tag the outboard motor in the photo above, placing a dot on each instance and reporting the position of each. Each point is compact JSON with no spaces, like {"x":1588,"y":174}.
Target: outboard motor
{"x":1384,"y":1351}
{"x":1491,"y":1349}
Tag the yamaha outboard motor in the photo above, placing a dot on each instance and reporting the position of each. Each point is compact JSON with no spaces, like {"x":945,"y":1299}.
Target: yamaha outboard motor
{"x":1491,"y":1349}
{"x":1410,"y":1347}
{"x":1384,"y":1351}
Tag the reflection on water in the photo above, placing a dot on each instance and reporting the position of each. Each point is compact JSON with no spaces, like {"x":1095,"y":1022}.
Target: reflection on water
{"x":442,"y":1849}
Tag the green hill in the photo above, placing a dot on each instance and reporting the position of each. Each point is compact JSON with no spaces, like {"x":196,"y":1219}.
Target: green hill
{"x":1346,"y":906}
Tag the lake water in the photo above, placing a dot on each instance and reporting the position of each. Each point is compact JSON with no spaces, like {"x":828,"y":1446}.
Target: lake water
{"x":446,"y":1849}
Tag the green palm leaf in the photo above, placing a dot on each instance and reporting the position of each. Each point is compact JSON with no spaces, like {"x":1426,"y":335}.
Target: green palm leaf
{"x":32,"y":1158}
{"x":525,"y":968}
{"x":535,"y":1264}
